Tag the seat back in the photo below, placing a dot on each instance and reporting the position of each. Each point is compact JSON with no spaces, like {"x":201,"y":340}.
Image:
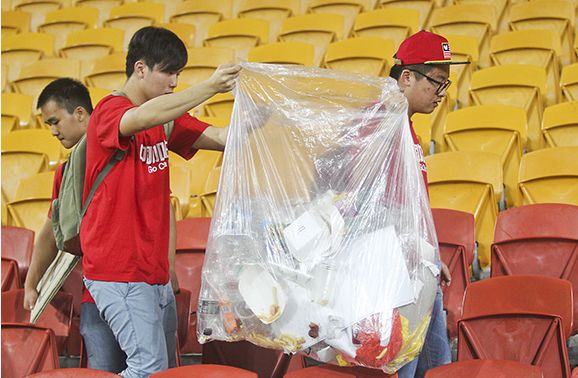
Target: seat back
{"x":29,"y":213}
{"x":455,"y":232}
{"x":74,"y":372}
{"x":10,"y":275}
{"x":239,"y":34}
{"x":64,"y":21}
{"x":272,"y":11}
{"x":464,"y":48}
{"x":283,"y":53}
{"x":34,"y":140}
{"x":209,"y":371}
{"x":332,"y":371}
{"x":202,"y":62}
{"x":90,"y":44}
{"x":37,"y":344}
{"x":364,"y":55}
{"x":24,"y":48}
{"x":17,"y":165}
{"x":14,"y":22}
{"x":17,"y":105}
{"x":395,"y":24}
{"x":424,"y":8}
{"x":560,"y":125}
{"x":220,"y":105}
{"x":549,"y":176}
{"x":38,"y":10}
{"x":540,"y":239}
{"x":131,"y":17}
{"x":108,"y":72}
{"x":347,"y":9}
{"x":17,"y":244}
{"x":569,"y":81}
{"x":202,"y":14}
{"x":185,"y":32}
{"x":485,"y":369}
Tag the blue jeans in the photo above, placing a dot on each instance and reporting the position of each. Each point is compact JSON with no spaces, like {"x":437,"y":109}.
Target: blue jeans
{"x":436,"y":348}
{"x":142,"y":318}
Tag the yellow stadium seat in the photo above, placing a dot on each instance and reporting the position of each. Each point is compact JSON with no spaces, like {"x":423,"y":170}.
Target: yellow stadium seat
{"x":549,"y":175}
{"x":36,"y":186}
{"x":569,"y":82}
{"x":536,"y":47}
{"x":181,"y":187}
{"x":14,"y":22}
{"x":35,"y":140}
{"x":463,"y":48}
{"x":176,"y":208}
{"x":318,"y":29}
{"x":93,"y":43}
{"x":19,"y":107}
{"x":469,"y":181}
{"x":37,"y":9}
{"x":220,"y":105}
{"x":210,"y":191}
{"x":517,"y":85}
{"x":500,"y":7}
{"x":349,"y":9}
{"x":97,"y":94}
{"x":103,"y":6}
{"x":202,"y":62}
{"x":272,"y":11}
{"x":239,"y":34}
{"x":9,"y":123}
{"x":284,"y":53}
{"x":422,"y":128}
{"x":185,"y":32}
{"x":392,"y":23}
{"x":64,"y":21}
{"x":215,"y":121}
{"x":131,"y":17}
{"x":576,"y":45}
{"x":364,"y":55}
{"x":202,"y":14}
{"x":555,"y":15}
{"x":108,"y":72}
{"x":497,"y":129}
{"x":30,"y":213}
{"x":35,"y":76}
{"x":424,"y":7}
{"x":17,"y":165}
{"x":4,"y":76}
{"x":24,"y":48}
{"x":473,"y":20}
{"x":560,"y":125}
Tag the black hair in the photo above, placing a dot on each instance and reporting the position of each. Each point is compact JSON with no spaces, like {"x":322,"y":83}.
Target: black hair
{"x":156,"y":46}
{"x":397,"y":69}
{"x":66,"y":92}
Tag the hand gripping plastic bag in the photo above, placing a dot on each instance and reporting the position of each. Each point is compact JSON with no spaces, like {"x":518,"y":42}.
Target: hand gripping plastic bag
{"x":322,"y":239}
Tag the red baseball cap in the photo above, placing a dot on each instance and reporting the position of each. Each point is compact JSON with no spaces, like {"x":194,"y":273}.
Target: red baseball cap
{"x":425,"y":48}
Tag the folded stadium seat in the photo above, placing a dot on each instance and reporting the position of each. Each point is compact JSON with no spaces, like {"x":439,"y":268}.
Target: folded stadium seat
{"x":463,"y":48}
{"x":37,"y":9}
{"x":57,"y":315}
{"x":73,"y":372}
{"x":34,"y":140}
{"x":560,"y":125}
{"x":180,"y":181}
{"x":485,"y":369}
{"x":202,"y":62}
{"x":17,"y":244}
{"x":73,"y":285}
{"x":468,"y":181}
{"x":272,"y":11}
{"x":540,"y":239}
{"x":24,"y":48}
{"x":473,"y":20}
{"x":209,"y":371}
{"x":185,"y":32}
{"x":364,"y":55}
{"x":283,"y":53}
{"x":14,"y":22}
{"x":108,"y":72}
{"x":183,"y":303}
{"x":318,"y":29}
{"x":27,"y":349}
{"x":192,"y":235}
{"x":220,"y":105}
{"x":569,"y":82}
{"x":202,"y":14}
{"x":131,"y":17}
{"x":240,"y":34}
{"x":16,"y":111}
{"x":535,"y":47}
{"x":17,"y":165}
{"x":29,"y":212}
{"x":455,"y":233}
{"x":97,"y":94}
{"x":10,"y":276}
{"x":38,"y":185}
{"x":424,"y":7}
{"x":332,"y":371}
{"x":518,"y":85}
{"x":209,"y":194}
{"x":549,"y":176}
{"x":349,"y":9}
{"x":555,"y":15}
{"x":501,"y":321}
{"x":4,"y":77}
{"x":103,"y":6}
{"x":392,"y":23}
{"x":498,"y":129}
{"x":64,"y":21}
{"x":501,"y":8}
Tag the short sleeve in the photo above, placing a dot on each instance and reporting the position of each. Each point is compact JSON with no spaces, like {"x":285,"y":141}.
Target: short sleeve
{"x":186,"y":131}
{"x":56,"y":186}
{"x":108,"y":114}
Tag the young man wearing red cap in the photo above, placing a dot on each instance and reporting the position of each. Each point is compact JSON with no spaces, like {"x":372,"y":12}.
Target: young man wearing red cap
{"x":422,"y":72}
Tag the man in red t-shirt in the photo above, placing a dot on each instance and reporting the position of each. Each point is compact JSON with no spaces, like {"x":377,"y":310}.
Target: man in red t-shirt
{"x":125,"y":232}
{"x":422,"y":72}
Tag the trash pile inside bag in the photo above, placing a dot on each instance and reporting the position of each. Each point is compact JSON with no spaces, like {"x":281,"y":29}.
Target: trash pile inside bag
{"x":322,"y":239}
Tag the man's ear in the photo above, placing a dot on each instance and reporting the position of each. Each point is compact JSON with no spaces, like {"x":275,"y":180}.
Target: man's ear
{"x":404,"y":80}
{"x":80,"y":113}
{"x":139,"y":68}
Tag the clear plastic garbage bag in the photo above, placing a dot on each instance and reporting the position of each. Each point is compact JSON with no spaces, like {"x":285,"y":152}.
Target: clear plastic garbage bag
{"x":322,"y":239}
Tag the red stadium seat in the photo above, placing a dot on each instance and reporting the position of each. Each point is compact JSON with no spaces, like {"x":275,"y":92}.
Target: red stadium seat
{"x":485,"y":369}
{"x":73,"y":373}
{"x":57,"y":316}
{"x":183,"y":301}
{"x":27,"y":349}
{"x":74,"y":286}
{"x":455,"y":232}
{"x":17,"y":244}
{"x":521,"y":318}
{"x":10,"y":275}
{"x":540,"y":239}
{"x":332,"y":371}
{"x":205,"y":371}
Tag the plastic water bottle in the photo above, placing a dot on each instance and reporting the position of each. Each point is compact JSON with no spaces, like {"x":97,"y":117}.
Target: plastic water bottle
{"x":208,"y":316}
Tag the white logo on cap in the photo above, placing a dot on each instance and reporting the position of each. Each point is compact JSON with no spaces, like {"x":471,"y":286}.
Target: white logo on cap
{"x":446,"y":50}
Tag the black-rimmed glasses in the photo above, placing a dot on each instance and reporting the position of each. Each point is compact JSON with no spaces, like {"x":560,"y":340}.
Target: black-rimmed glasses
{"x":442,"y":85}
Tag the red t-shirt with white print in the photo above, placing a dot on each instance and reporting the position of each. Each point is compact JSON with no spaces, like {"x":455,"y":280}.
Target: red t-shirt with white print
{"x":125,"y":232}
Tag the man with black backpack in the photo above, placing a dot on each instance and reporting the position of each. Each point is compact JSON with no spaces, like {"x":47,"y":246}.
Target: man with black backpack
{"x":125,"y":231}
